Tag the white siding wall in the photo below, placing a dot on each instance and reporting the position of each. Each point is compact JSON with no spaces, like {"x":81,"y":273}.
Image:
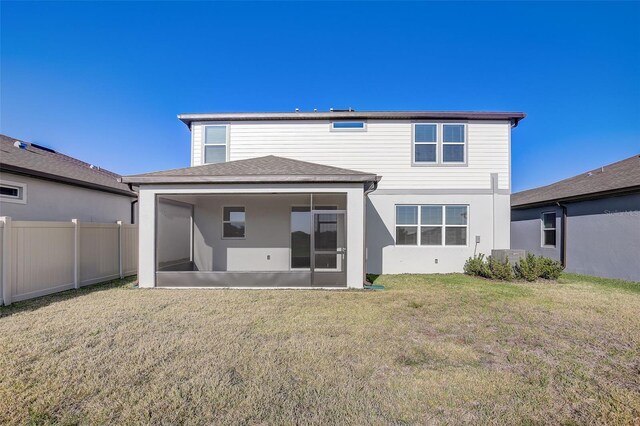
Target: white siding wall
{"x":384,"y":148}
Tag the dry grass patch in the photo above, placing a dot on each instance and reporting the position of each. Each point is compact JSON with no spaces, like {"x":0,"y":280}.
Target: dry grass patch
{"x":427,"y":349}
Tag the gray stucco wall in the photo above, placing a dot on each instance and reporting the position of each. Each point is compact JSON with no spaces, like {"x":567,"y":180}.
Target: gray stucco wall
{"x":53,"y":201}
{"x":603,"y":236}
{"x":526,"y":231}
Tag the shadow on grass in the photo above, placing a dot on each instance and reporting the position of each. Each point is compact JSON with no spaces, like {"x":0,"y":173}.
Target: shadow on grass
{"x":41,"y":302}
{"x":372,"y":278}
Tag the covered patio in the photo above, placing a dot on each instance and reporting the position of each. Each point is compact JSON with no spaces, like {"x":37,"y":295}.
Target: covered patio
{"x":267,"y":222}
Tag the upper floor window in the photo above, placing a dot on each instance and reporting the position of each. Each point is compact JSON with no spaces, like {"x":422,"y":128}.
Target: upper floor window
{"x":13,"y":192}
{"x":453,"y":142}
{"x":215,"y":144}
{"x":348,"y":125}
{"x":439,"y":143}
{"x":425,"y":143}
{"x":548,"y":229}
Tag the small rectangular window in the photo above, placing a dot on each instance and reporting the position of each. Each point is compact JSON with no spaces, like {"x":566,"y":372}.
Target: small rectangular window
{"x":9,"y":191}
{"x":348,"y":125}
{"x":548,"y":229}
{"x":453,"y":143}
{"x":215,"y":144}
{"x":233,"y":222}
{"x":13,"y":192}
{"x":425,"y":143}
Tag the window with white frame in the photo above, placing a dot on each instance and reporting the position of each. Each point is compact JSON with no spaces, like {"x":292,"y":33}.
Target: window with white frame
{"x":548,"y":224}
{"x":437,"y":143}
{"x":425,"y":143}
{"x":13,"y":192}
{"x":233,"y":222}
{"x":432,"y":225}
{"x":453,"y":143}
{"x":215,"y":144}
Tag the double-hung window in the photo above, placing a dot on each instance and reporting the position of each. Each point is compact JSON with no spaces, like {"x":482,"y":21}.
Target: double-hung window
{"x":432,"y":225}
{"x":453,"y":142}
{"x":233,"y":222}
{"x":425,"y":143}
{"x":215,"y":144}
{"x":548,"y":229}
{"x":435,"y":143}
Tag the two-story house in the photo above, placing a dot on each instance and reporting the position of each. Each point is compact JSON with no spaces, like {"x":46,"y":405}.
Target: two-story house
{"x":321,"y":198}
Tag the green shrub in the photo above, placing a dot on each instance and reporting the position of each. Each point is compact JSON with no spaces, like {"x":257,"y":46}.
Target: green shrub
{"x":527,"y":268}
{"x":477,"y":266}
{"x":549,"y":269}
{"x":500,"y":269}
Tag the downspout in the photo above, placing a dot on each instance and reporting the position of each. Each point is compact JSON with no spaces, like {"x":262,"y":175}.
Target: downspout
{"x":563,"y":235}
{"x":133,"y":208}
{"x":368,"y":191}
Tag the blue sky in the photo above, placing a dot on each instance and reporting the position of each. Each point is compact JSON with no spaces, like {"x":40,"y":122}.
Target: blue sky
{"x":99,"y":80}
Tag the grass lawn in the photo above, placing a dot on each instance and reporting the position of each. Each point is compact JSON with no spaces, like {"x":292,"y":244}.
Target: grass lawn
{"x":427,"y":349}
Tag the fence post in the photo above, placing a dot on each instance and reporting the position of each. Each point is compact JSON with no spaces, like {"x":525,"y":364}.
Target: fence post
{"x":76,"y":253}
{"x":119,"y":222}
{"x":6,"y":260}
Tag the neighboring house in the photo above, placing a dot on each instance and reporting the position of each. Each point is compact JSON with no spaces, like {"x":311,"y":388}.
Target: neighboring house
{"x":316,"y":199}
{"x":590,"y":222}
{"x":39,"y":184}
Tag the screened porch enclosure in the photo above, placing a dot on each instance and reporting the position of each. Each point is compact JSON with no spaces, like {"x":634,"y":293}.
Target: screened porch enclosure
{"x":251,"y":240}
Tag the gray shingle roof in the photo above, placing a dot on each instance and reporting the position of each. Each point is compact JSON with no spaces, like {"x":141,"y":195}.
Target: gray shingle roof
{"x":617,"y":177}
{"x":40,"y":162}
{"x":254,"y":170}
{"x":514,"y":117}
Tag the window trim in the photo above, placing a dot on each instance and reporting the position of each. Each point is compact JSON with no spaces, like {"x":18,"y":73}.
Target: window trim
{"x":554,"y":229}
{"x":439,"y":145}
{"x":420,"y":225}
{"x":349,"y":129}
{"x":229,"y":221}
{"x":22,"y":192}
{"x":205,"y":144}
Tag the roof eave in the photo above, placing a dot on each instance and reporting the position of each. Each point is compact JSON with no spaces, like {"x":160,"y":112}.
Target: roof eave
{"x":580,"y":197}
{"x":513,"y":117}
{"x":63,"y":179}
{"x":138,"y":180}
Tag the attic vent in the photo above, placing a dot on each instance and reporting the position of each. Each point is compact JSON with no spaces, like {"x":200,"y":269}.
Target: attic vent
{"x":20,"y":145}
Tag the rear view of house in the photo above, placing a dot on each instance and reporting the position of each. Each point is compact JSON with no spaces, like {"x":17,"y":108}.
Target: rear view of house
{"x":318,"y":199}
{"x":590,"y":222}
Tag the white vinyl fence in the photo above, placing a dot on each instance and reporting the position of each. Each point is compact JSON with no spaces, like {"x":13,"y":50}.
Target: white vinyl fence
{"x":38,"y":258}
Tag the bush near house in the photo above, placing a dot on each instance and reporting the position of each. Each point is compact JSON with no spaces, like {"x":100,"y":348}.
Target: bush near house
{"x":530,"y":268}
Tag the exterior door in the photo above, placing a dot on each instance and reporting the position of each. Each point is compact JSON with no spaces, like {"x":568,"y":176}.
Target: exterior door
{"x":328,"y":249}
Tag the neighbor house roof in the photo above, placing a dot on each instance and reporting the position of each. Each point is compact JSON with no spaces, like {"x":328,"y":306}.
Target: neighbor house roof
{"x":514,"y":117}
{"x":620,"y":177}
{"x":29,"y":159}
{"x":269,"y":169}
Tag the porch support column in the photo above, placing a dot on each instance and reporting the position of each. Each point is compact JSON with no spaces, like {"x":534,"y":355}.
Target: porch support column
{"x":355,"y":237}
{"x":146,"y":238}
